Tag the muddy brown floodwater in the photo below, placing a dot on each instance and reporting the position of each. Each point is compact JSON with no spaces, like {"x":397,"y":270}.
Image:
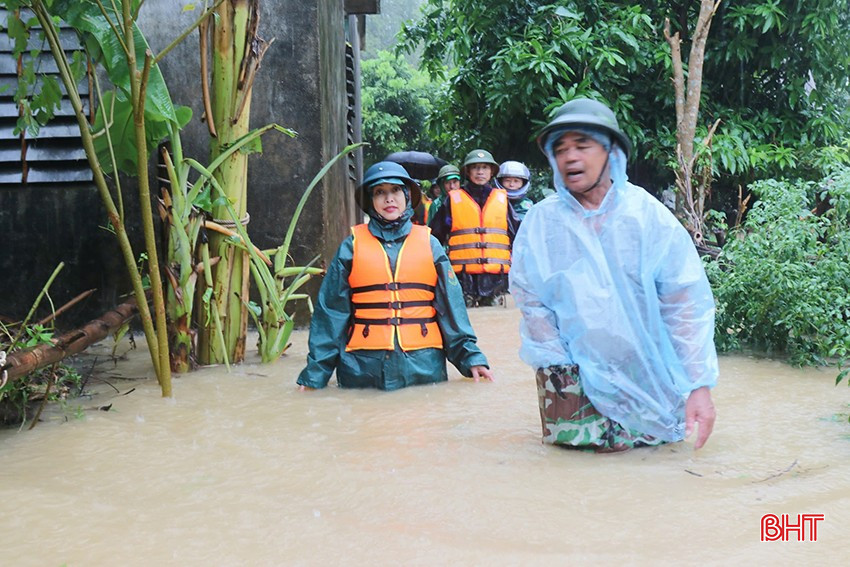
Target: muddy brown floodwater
{"x":241,"y":469}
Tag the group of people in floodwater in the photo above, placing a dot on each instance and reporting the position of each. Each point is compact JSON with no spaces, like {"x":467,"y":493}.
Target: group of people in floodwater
{"x":617,"y":313}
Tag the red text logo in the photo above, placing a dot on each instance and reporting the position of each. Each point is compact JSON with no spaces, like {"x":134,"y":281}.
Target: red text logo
{"x":780,"y":528}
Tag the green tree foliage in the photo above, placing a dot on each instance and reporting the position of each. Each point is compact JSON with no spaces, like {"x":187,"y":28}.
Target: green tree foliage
{"x":396,"y":100}
{"x":775,"y":73}
{"x":781,"y":283}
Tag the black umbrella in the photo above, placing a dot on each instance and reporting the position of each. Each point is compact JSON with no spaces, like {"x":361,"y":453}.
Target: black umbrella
{"x":419,"y":165}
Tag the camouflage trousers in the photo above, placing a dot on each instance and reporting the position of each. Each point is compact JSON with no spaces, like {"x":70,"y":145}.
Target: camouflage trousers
{"x":570,"y":420}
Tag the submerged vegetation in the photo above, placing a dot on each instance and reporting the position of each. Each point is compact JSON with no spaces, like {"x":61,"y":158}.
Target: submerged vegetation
{"x":200,"y":289}
{"x":19,"y":398}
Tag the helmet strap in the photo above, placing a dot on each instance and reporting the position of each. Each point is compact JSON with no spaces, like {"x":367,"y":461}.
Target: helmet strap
{"x":598,"y":179}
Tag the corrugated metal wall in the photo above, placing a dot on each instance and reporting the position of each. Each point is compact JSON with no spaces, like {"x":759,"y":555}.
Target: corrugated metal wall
{"x":54,"y":157}
{"x":50,"y":211}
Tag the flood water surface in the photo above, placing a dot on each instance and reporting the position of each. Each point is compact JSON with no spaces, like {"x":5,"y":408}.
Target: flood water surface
{"x":242,"y":469}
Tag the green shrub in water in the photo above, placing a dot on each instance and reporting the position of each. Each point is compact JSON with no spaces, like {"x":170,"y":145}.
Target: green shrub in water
{"x":782,"y":281}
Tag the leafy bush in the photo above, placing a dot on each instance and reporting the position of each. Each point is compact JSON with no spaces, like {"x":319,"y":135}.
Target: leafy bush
{"x":782,"y":281}
{"x":23,"y":399}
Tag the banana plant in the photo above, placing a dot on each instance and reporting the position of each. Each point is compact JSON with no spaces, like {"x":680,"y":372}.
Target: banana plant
{"x":234,"y":58}
{"x":182,"y":207}
{"x":278,"y":283}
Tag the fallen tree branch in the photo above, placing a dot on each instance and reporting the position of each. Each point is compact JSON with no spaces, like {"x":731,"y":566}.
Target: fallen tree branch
{"x":21,"y":363}
{"x":65,"y":307}
{"x":780,"y":473}
{"x":50,"y":382}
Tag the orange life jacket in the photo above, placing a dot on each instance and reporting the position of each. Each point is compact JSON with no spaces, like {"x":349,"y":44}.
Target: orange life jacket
{"x":426,"y":206}
{"x":479,"y":241}
{"x":388,"y":306}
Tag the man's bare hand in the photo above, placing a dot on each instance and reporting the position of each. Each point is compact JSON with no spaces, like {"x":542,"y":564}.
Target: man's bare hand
{"x":699,"y":409}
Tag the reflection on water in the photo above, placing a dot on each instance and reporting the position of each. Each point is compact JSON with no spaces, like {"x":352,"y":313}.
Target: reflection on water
{"x":241,"y":469}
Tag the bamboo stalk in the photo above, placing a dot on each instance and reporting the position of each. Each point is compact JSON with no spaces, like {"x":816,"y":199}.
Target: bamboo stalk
{"x":65,"y":307}
{"x":115,"y":219}
{"x":138,"y":86}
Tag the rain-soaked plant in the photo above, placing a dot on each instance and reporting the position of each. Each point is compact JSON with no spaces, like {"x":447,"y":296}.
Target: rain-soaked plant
{"x":235,"y":51}
{"x":182,"y":207}
{"x":56,"y":383}
{"x":138,"y":108}
{"x":276,"y":281}
{"x":782,"y":281}
{"x":132,"y":119}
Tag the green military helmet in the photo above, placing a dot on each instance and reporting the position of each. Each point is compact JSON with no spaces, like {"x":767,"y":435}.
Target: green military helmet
{"x":446,"y":171}
{"x":584,"y":112}
{"x":481,"y":156}
{"x":386,"y":172}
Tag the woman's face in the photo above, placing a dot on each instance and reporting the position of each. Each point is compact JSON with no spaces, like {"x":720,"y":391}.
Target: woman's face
{"x":388,"y":201}
{"x":511,"y":183}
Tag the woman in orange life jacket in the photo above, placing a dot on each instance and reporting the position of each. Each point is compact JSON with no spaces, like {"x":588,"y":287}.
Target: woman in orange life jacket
{"x":390,"y":310}
{"x":478,"y":225}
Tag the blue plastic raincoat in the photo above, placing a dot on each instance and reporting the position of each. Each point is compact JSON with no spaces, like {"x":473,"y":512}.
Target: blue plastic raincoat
{"x":621,"y":292}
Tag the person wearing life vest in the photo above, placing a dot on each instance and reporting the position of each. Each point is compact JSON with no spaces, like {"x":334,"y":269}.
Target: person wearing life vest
{"x":478,"y":225}
{"x":390,"y":310}
{"x":514,"y":178}
{"x":431,"y":192}
{"x":448,"y":179}
{"x":420,"y":213}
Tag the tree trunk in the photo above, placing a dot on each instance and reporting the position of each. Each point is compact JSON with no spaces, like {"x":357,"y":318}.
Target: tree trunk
{"x":691,"y":198}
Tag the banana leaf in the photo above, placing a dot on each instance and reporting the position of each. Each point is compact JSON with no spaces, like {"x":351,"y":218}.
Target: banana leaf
{"x":98,"y":32}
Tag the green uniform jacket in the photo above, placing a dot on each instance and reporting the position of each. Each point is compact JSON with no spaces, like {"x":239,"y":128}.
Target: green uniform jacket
{"x":384,"y":369}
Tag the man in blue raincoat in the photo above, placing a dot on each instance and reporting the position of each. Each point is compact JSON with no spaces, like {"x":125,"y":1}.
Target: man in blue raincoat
{"x":617,"y":313}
